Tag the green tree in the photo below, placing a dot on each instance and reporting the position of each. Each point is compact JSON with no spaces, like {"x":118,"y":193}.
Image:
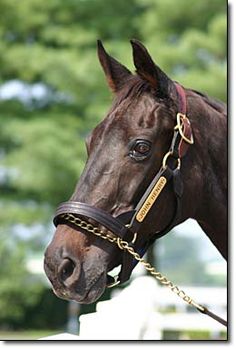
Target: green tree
{"x":189,"y":41}
{"x":18,"y":288}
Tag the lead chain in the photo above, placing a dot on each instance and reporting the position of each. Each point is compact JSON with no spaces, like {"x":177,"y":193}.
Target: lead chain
{"x":124,"y":245}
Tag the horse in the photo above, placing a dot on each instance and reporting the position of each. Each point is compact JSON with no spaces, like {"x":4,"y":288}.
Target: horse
{"x":158,"y":158}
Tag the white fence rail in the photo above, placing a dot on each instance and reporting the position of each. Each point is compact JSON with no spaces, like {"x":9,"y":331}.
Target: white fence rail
{"x":145,"y":311}
{"x":140,"y":311}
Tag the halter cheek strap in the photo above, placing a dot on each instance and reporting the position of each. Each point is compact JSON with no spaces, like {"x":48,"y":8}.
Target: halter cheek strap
{"x":169,"y":173}
{"x":183,"y":124}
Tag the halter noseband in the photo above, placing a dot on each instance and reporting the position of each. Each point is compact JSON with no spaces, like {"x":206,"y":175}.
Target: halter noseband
{"x":127,"y":225}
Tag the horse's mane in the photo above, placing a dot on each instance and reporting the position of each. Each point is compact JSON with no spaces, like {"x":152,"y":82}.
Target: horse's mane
{"x":213,"y":102}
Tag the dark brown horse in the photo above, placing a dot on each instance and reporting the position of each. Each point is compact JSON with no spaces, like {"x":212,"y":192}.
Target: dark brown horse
{"x":125,"y":152}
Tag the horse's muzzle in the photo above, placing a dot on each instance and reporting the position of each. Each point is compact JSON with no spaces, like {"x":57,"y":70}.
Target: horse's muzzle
{"x":72,"y":277}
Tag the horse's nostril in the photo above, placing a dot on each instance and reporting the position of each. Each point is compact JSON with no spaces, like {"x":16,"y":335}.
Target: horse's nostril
{"x":66,"y":269}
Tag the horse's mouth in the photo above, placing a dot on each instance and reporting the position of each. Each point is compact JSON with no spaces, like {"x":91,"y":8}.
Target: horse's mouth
{"x":93,"y":293}
{"x":87,"y":296}
{"x":81,"y":279}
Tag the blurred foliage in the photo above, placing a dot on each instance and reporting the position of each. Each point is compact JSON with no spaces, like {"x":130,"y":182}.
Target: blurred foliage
{"x":50,"y":47}
{"x":18,"y":289}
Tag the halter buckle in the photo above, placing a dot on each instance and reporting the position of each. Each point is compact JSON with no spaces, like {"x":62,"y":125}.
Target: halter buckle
{"x":180,"y":119}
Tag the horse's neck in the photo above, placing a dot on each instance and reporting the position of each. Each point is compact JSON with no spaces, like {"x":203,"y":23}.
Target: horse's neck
{"x":210,"y":130}
{"x":218,"y":237}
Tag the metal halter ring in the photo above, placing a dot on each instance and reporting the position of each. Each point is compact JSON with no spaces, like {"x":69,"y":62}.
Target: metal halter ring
{"x":115,"y":283}
{"x":179,"y":127}
{"x":135,"y":234}
{"x":118,"y":241}
{"x":164,"y":161}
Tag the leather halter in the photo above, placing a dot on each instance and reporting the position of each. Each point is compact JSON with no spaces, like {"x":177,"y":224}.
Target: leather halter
{"x":128,"y":224}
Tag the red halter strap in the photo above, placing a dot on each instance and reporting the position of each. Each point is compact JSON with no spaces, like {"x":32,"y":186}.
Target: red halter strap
{"x":183,"y":123}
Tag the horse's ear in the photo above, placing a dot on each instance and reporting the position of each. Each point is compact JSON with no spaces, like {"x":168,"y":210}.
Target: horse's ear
{"x":148,"y":70}
{"x":116,"y":73}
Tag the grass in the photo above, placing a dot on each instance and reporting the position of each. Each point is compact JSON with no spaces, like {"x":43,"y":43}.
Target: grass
{"x":26,"y":335}
{"x":194,"y":335}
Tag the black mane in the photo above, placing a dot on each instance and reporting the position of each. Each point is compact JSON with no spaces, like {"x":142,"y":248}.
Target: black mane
{"x":213,"y":102}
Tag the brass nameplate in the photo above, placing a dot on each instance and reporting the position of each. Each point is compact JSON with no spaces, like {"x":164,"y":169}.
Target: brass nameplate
{"x":151,"y":199}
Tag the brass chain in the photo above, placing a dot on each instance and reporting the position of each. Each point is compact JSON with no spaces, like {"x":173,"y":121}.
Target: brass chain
{"x":124,"y":245}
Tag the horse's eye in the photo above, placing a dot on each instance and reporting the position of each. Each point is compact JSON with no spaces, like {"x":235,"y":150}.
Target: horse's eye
{"x":140,"y":149}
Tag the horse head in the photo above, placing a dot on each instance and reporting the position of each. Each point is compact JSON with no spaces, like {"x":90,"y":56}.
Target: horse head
{"x":125,"y":151}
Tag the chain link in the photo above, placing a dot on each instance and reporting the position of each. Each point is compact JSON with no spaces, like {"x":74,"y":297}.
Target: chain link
{"x":124,"y":245}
